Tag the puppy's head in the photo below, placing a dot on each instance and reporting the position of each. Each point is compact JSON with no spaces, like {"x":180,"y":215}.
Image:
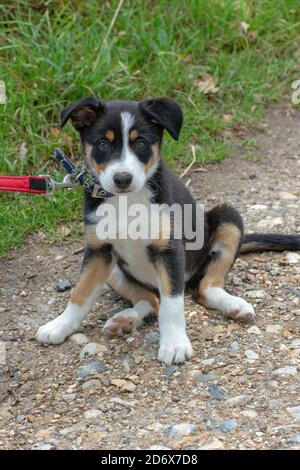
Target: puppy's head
{"x":122,"y":139}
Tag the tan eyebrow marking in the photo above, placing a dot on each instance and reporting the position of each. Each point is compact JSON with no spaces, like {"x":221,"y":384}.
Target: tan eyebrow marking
{"x":154,"y":157}
{"x":110,"y":135}
{"x":99,"y":167}
{"x":133,"y":135}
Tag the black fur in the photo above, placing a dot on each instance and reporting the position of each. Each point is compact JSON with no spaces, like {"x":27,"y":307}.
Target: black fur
{"x":269,"y":242}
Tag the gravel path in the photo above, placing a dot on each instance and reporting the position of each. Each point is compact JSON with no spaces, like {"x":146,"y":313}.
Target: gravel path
{"x":240,"y":390}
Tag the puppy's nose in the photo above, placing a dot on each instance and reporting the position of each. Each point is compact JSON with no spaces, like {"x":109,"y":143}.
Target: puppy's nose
{"x":122,"y":180}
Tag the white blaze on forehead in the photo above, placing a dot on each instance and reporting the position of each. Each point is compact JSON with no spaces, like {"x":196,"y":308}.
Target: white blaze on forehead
{"x":129,"y":159}
{"x":127,"y":120}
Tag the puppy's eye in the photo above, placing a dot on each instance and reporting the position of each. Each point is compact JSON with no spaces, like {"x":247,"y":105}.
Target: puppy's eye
{"x":103,"y":145}
{"x":140,"y":144}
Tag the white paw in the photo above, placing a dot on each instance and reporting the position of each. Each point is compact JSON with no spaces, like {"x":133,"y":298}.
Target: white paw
{"x":56,"y":331}
{"x":175,"y":348}
{"x":122,"y":322}
{"x":238,"y":309}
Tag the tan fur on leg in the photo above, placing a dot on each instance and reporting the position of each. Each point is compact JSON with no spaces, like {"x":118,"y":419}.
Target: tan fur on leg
{"x":96,"y":272}
{"x":226,"y":240}
{"x":225,"y":244}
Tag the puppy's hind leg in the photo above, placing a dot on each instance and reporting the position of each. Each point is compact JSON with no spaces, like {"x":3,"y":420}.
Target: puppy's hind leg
{"x":144,"y":302}
{"x":224,"y":249}
{"x":97,"y":266}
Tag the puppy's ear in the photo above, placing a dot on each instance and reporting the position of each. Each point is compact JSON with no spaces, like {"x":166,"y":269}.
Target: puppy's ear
{"x":82,"y":113}
{"x":165,"y":112}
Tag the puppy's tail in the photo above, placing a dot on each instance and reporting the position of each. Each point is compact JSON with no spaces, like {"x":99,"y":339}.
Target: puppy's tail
{"x":253,"y":242}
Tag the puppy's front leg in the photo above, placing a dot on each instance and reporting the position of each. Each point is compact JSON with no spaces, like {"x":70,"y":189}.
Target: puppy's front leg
{"x":174,"y":346}
{"x":97,"y":265}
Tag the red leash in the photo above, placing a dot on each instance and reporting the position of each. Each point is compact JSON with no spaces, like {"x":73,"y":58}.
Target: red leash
{"x":24,"y":184}
{"x":45,"y":184}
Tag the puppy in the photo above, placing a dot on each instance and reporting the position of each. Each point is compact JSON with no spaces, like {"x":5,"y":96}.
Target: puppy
{"x":122,"y":143}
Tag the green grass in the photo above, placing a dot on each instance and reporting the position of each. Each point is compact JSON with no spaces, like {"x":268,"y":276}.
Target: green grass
{"x":51,"y":55}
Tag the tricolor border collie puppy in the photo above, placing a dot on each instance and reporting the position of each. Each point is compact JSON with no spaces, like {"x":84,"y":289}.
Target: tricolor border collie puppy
{"x":122,"y":146}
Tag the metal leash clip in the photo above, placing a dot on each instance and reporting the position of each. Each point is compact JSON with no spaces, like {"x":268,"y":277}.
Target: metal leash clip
{"x":53,"y":185}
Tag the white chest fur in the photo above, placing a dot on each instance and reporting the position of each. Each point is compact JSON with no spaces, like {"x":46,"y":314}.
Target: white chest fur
{"x":114,"y":220}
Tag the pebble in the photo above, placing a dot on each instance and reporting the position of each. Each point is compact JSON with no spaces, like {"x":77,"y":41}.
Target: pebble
{"x":89,"y":369}
{"x":216,"y":392}
{"x":233,"y":401}
{"x":182,"y":429}
{"x":251,"y":355}
{"x":236,"y":281}
{"x":45,"y":433}
{"x":5,"y":414}
{"x":259,"y":207}
{"x":20,"y":418}
{"x":68,"y":397}
{"x":249,"y":414}
{"x":212,"y":444}
{"x":295,"y":438}
{"x":42,"y":446}
{"x":124,"y":385}
{"x":293,"y":291}
{"x":256,"y":294}
{"x":204,"y":378}
{"x":59,"y":257}
{"x":253,"y":330}
{"x":285,"y":371}
{"x":208,"y":362}
{"x":3,"y":309}
{"x":227,"y":426}
{"x":91,"y":349}
{"x":294,"y":411}
{"x":118,"y":382}
{"x":63,"y":285}
{"x":170,"y":370}
{"x":287,"y":196}
{"x":91,"y":384}
{"x":151,"y":338}
{"x":234,"y":346}
{"x":292,"y":258}
{"x":270,"y":223}
{"x":130,"y":339}
{"x":129,"y":386}
{"x":92,"y":414}
{"x":71,"y":388}
{"x":79,"y":338}
{"x":273,"y":329}
{"x":295,"y":344}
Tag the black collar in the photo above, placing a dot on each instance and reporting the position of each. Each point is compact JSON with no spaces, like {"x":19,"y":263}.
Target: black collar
{"x":84,"y":178}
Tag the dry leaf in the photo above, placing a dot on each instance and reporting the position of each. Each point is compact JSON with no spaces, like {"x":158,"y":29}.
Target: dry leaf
{"x":207,"y":85}
{"x":188,"y":58}
{"x":252,"y":35}
{"x":23,"y":151}
{"x":227,"y":117}
{"x":31,"y":418}
{"x":59,"y":134}
{"x":244,"y":27}
{"x":65,"y":231}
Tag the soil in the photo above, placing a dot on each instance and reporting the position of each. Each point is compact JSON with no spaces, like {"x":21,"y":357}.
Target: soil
{"x":241,"y":388}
